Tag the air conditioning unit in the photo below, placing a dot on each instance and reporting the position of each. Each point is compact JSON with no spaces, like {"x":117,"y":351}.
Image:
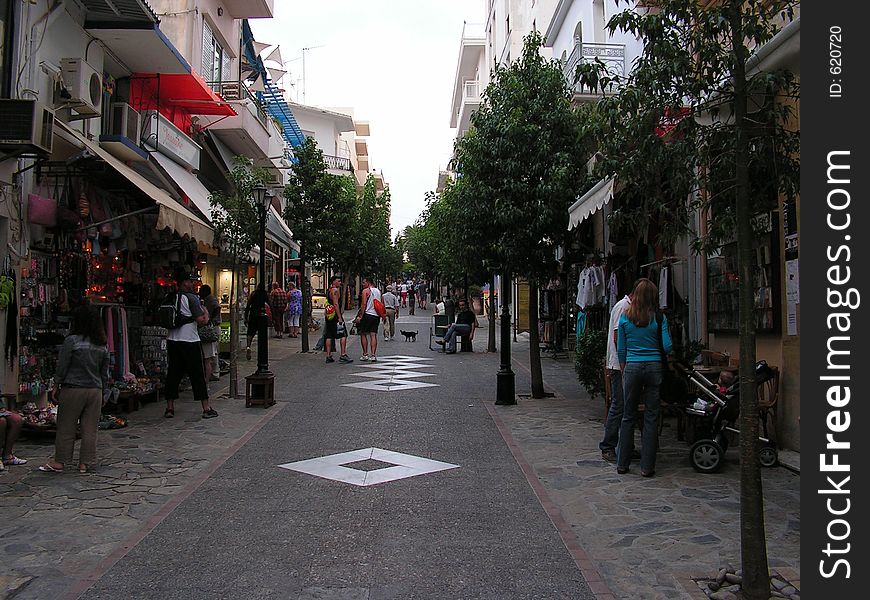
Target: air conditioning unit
{"x":26,"y":124}
{"x":85,"y":86}
{"x":126,"y":121}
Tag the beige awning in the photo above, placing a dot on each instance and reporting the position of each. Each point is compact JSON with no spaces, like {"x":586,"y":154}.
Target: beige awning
{"x":171,"y":214}
{"x":592,"y":201}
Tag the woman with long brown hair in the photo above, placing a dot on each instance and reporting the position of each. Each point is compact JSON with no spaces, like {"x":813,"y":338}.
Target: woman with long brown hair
{"x":642,"y":334}
{"x":82,"y":373}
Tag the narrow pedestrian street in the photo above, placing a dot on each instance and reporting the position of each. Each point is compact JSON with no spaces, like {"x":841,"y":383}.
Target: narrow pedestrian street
{"x":395,"y":479}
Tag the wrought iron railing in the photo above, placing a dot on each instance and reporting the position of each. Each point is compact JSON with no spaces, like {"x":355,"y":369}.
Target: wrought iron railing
{"x":612,"y":55}
{"x":237,"y":91}
{"x":338,"y":163}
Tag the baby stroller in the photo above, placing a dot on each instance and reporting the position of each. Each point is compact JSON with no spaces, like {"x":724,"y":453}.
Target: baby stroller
{"x":713,"y":415}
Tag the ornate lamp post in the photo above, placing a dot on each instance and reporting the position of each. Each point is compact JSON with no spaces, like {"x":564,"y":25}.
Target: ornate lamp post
{"x":505,"y":381}
{"x":262,"y":201}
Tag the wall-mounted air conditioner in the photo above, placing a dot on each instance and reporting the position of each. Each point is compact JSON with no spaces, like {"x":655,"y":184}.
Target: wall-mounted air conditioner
{"x":85,"y":86}
{"x":126,"y":121}
{"x":26,"y":125}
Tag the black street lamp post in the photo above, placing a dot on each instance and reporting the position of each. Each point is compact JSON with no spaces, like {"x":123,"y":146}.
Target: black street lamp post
{"x":505,"y":382}
{"x":262,"y":200}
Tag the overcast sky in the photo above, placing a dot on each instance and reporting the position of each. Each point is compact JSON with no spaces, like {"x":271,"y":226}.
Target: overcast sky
{"x":394,"y":62}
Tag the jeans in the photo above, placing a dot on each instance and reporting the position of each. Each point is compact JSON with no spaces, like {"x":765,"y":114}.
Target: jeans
{"x":614,"y":414}
{"x":454,"y":330}
{"x":641,"y":381}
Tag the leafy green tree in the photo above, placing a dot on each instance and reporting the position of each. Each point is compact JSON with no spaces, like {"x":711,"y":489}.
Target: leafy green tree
{"x":312,"y":195}
{"x":725,"y":149}
{"x":236,"y":231}
{"x":521,"y":162}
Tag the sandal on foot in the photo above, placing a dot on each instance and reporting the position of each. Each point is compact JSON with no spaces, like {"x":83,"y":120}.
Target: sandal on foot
{"x":48,"y":468}
{"x":169,"y":413}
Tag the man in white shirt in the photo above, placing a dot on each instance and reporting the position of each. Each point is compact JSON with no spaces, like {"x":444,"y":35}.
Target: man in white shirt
{"x":183,"y":348}
{"x":617,"y":399}
{"x":391,"y":304}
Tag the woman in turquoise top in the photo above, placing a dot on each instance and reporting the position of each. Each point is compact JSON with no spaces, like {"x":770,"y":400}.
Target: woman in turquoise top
{"x":640,"y":359}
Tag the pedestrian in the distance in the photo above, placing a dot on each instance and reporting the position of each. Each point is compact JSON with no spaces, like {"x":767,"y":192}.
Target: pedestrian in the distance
{"x":412,"y":296}
{"x":253,"y":316}
{"x":639,"y":345}
{"x":278,"y":303}
{"x":183,"y":347}
{"x":367,"y":321}
{"x":391,"y":304}
{"x":294,"y":309}
{"x":82,"y":373}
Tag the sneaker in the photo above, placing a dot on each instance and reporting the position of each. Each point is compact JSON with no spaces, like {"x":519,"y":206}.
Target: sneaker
{"x":373,"y":358}
{"x":344,"y":358}
{"x":364,"y":358}
{"x":609,"y":455}
{"x":329,"y":359}
{"x":440,"y":342}
{"x":248,"y":353}
{"x":14,"y":460}
{"x":209,"y":414}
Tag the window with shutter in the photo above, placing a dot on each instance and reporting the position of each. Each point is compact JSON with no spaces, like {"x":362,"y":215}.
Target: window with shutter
{"x":207,"y":52}
{"x":226,"y":75}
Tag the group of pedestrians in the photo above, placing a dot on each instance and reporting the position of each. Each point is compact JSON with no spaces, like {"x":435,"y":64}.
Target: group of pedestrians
{"x":637,"y":345}
{"x":283,"y":310}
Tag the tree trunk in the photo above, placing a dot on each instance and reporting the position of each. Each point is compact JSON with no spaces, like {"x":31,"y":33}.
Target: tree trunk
{"x":490,"y":347}
{"x":306,"y":301}
{"x":753,"y":547}
{"x":234,"y":332}
{"x":534,"y":343}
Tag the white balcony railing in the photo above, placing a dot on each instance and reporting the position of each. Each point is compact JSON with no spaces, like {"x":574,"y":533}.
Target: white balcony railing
{"x":471,"y":91}
{"x":612,"y":55}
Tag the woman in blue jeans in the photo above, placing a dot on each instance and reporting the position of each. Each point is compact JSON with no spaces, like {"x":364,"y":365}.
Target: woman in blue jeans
{"x":640,"y":359}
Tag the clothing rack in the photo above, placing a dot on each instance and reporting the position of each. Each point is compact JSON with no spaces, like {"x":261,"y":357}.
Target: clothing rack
{"x":670,"y":260}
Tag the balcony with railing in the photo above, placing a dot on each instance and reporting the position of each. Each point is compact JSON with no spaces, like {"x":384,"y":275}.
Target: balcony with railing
{"x":471,"y":91}
{"x":248,"y":132}
{"x":612,"y":55}
{"x":338,"y":163}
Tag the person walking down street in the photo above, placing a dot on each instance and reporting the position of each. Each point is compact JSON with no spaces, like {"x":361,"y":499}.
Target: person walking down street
{"x":391,"y":304}
{"x":294,"y":309}
{"x":412,"y":296}
{"x":421,"y":294}
{"x":335,"y":329}
{"x":10,"y":428}
{"x":641,"y":335}
{"x":210,"y":349}
{"x":617,"y":404}
{"x":183,"y":351}
{"x":403,"y":292}
{"x":466,"y":323}
{"x":278,"y":302}
{"x":367,"y":321}
{"x":253,"y":315}
{"x":82,"y":373}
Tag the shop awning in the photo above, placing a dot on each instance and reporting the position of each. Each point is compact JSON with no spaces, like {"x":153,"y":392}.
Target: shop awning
{"x":171,"y":214}
{"x":591,"y":201}
{"x":278,"y":230}
{"x":141,"y":49}
{"x":184,"y":90}
{"x":188,"y":182}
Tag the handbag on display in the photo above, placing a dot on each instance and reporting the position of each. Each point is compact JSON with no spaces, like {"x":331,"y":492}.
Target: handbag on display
{"x":41,"y":207}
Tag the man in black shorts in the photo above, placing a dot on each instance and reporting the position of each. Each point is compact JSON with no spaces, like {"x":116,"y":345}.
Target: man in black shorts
{"x":334,"y":318}
{"x":367,"y":321}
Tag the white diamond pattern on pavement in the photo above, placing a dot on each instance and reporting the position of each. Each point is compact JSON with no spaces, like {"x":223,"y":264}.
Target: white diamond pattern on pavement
{"x":332,"y":466}
{"x":394,"y":373}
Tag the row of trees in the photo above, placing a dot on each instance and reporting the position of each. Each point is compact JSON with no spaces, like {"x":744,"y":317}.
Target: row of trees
{"x":693,"y":133}
{"x":339,"y":229}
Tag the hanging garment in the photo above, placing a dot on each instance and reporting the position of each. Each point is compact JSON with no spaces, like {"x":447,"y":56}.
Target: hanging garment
{"x":600,"y":285}
{"x":587,"y":287}
{"x":612,"y":291}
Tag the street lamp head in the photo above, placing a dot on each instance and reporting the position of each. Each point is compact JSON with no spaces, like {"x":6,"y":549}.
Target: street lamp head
{"x":260,"y":195}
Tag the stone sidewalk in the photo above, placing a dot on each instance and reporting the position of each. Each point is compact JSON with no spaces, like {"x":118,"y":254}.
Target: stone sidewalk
{"x":648,"y":538}
{"x":57,"y":528}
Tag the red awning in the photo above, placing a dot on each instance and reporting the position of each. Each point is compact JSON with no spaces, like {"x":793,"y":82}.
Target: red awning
{"x":186,"y":91}
{"x":670,"y":120}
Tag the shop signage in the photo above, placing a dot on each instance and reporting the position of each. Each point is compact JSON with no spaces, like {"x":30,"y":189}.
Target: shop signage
{"x":159,"y":133}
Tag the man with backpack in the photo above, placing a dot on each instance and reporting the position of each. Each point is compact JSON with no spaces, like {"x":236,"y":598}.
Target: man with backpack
{"x":182,"y":313}
{"x":371,"y":312}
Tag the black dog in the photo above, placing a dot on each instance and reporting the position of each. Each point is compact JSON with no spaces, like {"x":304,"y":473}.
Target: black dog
{"x":410,"y":336}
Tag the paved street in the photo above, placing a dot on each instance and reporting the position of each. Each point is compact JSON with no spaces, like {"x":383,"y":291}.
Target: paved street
{"x":446,"y":496}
